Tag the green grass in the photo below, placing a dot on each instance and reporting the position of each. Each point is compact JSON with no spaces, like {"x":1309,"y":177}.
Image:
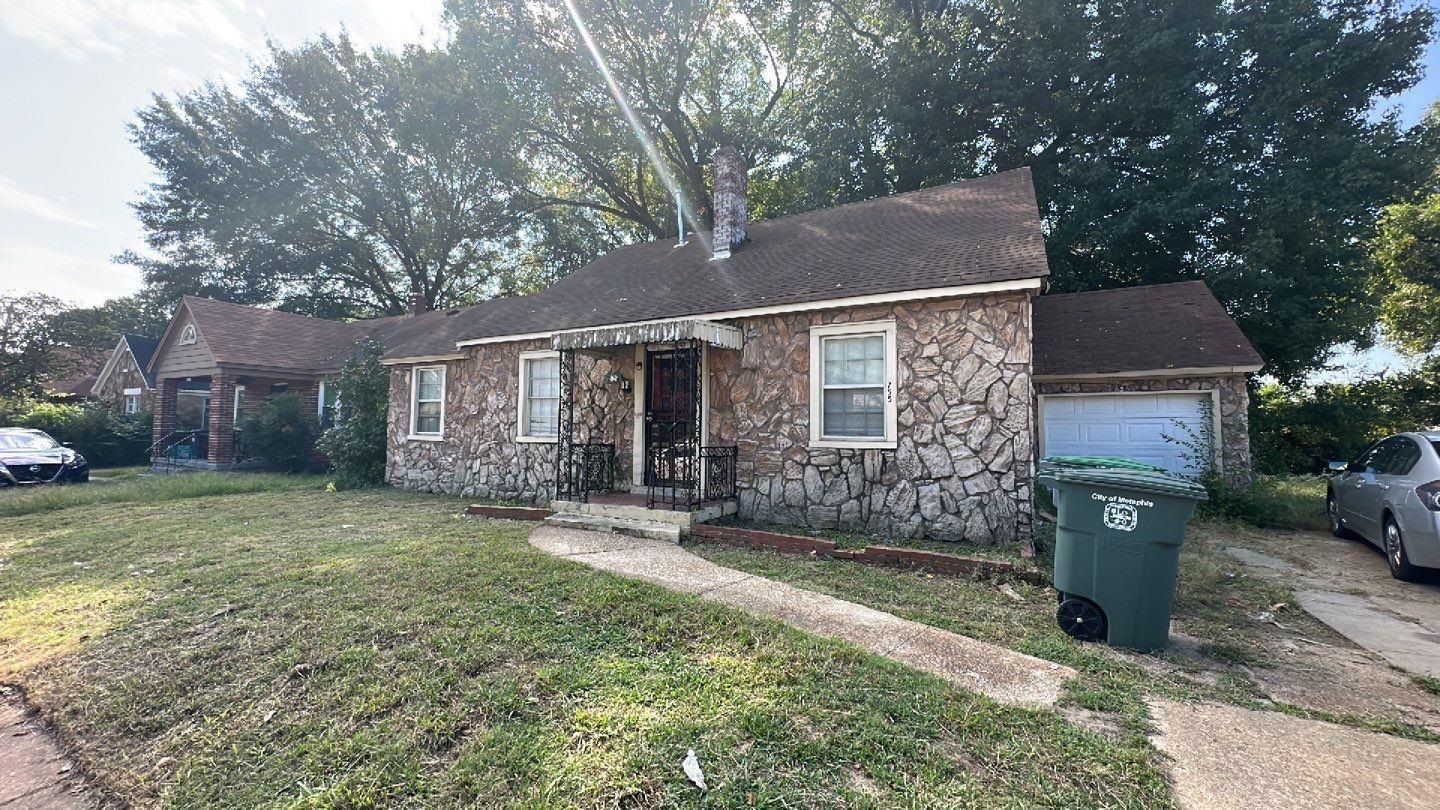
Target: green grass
{"x":1213,"y":603}
{"x":1428,"y":683}
{"x":1301,"y":498}
{"x":373,"y":648}
{"x":131,"y":484}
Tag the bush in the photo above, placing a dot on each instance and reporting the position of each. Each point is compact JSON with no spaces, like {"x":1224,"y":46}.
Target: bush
{"x":1297,"y":430}
{"x":355,"y":444}
{"x":282,"y":433}
{"x":104,"y":437}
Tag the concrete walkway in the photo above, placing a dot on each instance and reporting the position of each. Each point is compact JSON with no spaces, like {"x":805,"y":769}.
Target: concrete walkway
{"x":34,"y":773}
{"x":1001,"y":674}
{"x":1229,"y":757}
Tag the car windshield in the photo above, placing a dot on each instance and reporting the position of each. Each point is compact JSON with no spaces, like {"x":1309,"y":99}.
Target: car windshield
{"x":26,"y":441}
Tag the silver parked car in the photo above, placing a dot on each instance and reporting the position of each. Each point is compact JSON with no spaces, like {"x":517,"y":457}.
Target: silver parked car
{"x":1390,"y":496}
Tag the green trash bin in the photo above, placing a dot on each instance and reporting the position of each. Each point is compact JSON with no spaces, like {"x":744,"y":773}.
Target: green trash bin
{"x":1117,"y":551}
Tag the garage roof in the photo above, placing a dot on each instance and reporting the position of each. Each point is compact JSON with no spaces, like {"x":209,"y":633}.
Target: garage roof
{"x":1159,"y":328}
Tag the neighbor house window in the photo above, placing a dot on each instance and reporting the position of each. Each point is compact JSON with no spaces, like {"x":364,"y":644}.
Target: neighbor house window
{"x":239,"y":412}
{"x":539,"y":396}
{"x":187,"y":335}
{"x":852,"y":385}
{"x":132,"y":400}
{"x":427,"y":401}
{"x":329,"y":403}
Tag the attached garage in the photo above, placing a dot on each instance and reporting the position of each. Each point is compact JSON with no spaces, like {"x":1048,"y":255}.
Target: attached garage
{"x":1131,"y":425}
{"x":1116,"y":371}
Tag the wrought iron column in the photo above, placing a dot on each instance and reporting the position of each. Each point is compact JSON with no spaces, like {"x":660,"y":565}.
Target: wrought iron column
{"x":565,"y":429}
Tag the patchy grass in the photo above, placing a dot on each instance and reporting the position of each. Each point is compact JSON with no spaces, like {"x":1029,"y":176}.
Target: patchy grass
{"x":373,"y":648}
{"x":1216,"y":603}
{"x":1428,"y":683}
{"x":129,"y":484}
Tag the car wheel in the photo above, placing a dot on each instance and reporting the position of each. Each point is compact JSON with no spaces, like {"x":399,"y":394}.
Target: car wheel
{"x":1332,"y":511}
{"x":1395,"y":555}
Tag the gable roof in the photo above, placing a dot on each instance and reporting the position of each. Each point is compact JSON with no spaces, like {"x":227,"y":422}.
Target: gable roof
{"x":142,"y":348}
{"x":1138,"y":329}
{"x":969,"y":232}
{"x":268,"y":339}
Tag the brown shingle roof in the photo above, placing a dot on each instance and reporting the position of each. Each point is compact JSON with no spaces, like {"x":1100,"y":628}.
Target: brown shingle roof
{"x":1163,"y":326}
{"x":973,"y":231}
{"x":269,"y":338}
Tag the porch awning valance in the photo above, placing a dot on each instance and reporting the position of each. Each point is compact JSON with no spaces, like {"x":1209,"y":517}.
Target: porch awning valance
{"x":603,"y":337}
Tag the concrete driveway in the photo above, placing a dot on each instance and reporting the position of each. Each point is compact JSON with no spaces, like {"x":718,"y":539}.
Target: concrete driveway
{"x":1345,"y":584}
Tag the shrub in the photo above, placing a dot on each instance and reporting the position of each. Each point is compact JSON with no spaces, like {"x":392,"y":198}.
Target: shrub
{"x":282,"y":433}
{"x":1297,"y":430}
{"x":355,"y":444}
{"x":1248,"y":502}
{"x":104,"y":437}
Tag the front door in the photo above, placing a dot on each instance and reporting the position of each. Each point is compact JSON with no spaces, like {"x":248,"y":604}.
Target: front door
{"x":671,"y":409}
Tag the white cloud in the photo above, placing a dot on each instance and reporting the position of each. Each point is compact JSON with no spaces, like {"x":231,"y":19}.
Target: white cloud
{"x":72,"y":277}
{"x":84,"y":29}
{"x":16,"y":199}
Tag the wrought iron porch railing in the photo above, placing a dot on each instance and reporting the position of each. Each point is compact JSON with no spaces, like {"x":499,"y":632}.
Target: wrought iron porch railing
{"x":677,"y":472}
{"x":167,"y":451}
{"x":589,"y":469}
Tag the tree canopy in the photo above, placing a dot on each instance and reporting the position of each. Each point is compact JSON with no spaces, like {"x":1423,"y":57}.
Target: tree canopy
{"x":1235,"y":143}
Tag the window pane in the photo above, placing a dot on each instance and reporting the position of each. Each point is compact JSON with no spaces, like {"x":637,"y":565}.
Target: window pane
{"x":428,"y":384}
{"x":544,"y":377}
{"x":854,"y":412}
{"x":427,"y":424}
{"x":855,"y":360}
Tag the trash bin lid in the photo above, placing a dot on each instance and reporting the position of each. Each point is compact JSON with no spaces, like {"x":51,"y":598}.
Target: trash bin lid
{"x":1098,"y":462}
{"x":1158,"y":483}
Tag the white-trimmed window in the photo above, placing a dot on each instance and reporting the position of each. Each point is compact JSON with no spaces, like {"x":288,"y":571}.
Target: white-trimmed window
{"x":852,"y":385}
{"x":187,"y":335}
{"x":329,"y":403}
{"x":132,"y":400}
{"x":539,"y":405}
{"x":427,"y":402}
{"x":238,"y":415}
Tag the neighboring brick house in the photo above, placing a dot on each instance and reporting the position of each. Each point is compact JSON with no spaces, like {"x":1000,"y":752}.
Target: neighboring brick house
{"x":125,"y":383}
{"x":868,"y":367}
{"x":218,"y":362}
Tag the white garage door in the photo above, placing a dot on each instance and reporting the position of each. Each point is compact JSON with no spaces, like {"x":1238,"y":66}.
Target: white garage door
{"x":1131,"y":426}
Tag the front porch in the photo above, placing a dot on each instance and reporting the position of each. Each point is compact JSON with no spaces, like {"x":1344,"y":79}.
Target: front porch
{"x":659,"y":468}
{"x":199,"y":419}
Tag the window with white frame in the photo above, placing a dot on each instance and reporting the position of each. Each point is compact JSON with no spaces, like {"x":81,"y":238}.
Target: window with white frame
{"x":427,"y":401}
{"x":539,"y":396}
{"x":132,"y":400}
{"x":238,"y":414}
{"x":329,"y":400}
{"x":187,"y":335}
{"x":852,"y":385}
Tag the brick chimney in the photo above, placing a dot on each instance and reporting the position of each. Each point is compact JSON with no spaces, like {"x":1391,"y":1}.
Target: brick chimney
{"x":732,"y":208}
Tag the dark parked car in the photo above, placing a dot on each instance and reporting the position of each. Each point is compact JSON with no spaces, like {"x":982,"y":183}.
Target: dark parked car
{"x":32,"y":457}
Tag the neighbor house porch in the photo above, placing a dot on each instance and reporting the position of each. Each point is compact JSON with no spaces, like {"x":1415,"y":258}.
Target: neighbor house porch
{"x":199,"y":419}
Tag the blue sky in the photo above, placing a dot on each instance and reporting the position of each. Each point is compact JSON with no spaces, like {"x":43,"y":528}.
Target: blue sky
{"x":73,"y":73}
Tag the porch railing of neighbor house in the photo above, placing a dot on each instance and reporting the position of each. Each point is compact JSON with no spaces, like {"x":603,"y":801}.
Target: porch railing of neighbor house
{"x":177,"y":445}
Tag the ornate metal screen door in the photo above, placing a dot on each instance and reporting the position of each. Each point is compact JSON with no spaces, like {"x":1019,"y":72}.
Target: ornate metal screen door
{"x":672,"y":416}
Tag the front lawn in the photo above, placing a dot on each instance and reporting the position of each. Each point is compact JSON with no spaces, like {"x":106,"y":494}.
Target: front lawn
{"x":374,"y":648}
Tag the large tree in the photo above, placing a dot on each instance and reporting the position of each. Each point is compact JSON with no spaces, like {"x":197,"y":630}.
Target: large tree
{"x":1407,"y":257}
{"x":1235,"y":143}
{"x":334,"y":182}
{"x":30,"y":354}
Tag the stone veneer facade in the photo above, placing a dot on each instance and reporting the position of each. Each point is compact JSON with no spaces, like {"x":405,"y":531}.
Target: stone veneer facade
{"x":111,"y":388}
{"x":1234,"y":398}
{"x":962,"y":467}
{"x":478,"y":454}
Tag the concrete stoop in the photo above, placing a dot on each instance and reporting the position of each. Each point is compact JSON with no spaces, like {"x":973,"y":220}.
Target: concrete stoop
{"x":650,"y":529}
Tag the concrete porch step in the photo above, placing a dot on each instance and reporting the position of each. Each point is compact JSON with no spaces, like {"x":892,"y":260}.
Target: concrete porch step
{"x":652,"y":529}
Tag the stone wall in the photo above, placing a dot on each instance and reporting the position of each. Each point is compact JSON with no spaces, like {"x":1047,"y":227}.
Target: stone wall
{"x":111,"y":388}
{"x":1234,"y":409}
{"x":479,"y":455}
{"x":962,"y":469}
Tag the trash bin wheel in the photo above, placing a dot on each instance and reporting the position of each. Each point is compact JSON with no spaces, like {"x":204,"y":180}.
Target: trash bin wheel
{"x":1081,"y":619}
